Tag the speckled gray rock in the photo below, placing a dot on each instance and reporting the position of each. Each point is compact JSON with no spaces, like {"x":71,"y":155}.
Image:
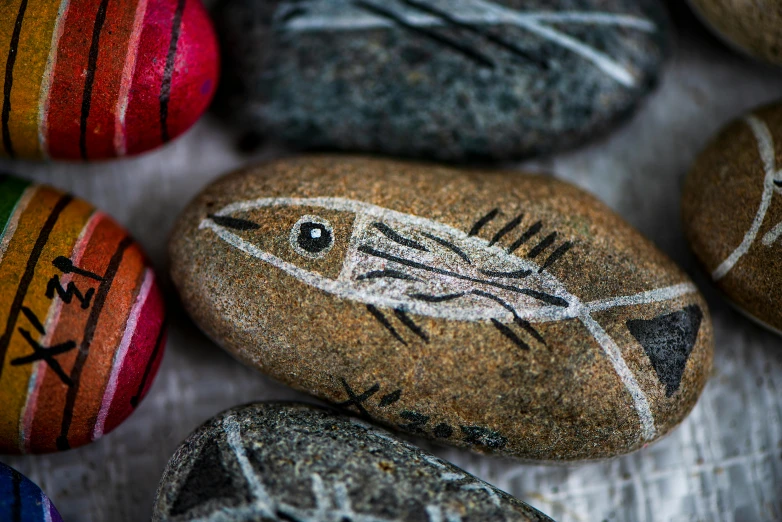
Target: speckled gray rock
{"x":445,"y":79}
{"x":301,"y":463}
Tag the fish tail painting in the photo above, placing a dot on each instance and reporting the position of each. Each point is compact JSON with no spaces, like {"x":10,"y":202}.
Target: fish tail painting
{"x":404,"y":268}
{"x":84,"y":312}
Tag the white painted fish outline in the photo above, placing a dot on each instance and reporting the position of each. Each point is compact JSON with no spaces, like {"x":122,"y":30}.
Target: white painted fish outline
{"x":772,"y":183}
{"x":368,"y":14}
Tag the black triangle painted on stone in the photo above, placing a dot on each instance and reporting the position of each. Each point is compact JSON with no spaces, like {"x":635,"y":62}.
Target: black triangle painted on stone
{"x":207,"y":480}
{"x":668,"y":341}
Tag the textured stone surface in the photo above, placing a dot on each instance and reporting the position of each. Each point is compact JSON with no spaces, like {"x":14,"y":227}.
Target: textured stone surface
{"x":22,"y":501}
{"x":752,"y":27}
{"x":447,"y":79}
{"x":507,"y":313}
{"x":96,"y":79}
{"x":296,"y":462}
{"x":82,"y":320}
{"x":732,"y":209}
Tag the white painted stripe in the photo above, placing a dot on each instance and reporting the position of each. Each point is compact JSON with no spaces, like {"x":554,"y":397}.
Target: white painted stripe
{"x":772,"y":235}
{"x":641,"y":403}
{"x":10,"y":226}
{"x":652,"y":296}
{"x":48,"y":78}
{"x":47,"y":507}
{"x":262,"y":501}
{"x":121,"y":353}
{"x":120,"y":142}
{"x":579,"y":17}
{"x":766,"y":150}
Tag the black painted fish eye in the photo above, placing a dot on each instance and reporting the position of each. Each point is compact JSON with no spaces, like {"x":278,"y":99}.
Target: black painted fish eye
{"x":312,"y":237}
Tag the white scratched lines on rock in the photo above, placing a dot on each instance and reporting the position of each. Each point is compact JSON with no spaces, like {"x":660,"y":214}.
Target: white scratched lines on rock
{"x":486,"y":13}
{"x":767,"y":155}
{"x":262,"y":504}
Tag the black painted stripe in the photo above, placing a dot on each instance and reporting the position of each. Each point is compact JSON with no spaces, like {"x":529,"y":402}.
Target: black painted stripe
{"x":543,"y":245}
{"x":518,"y":274}
{"x":450,"y":246}
{"x":410,"y":324}
{"x":531,"y":231}
{"x":429,"y":298}
{"x":16,"y":508}
{"x":168,"y":73}
{"x":235,"y":223}
{"x":89,"y":80}
{"x":33,"y":320}
{"x":454,"y":45}
{"x":778,"y":182}
{"x":86,"y":340}
{"x":134,"y":401}
{"x":377,"y":314}
{"x":513,"y":223}
{"x":9,"y":78}
{"x":510,"y":334}
{"x":391,"y":234}
{"x":556,"y":255}
{"x":482,"y":222}
{"x":390,"y":274}
{"x":29,"y":272}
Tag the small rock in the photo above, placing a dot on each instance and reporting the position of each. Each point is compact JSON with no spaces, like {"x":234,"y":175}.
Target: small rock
{"x":732,"y":210}
{"x":22,"y":501}
{"x":504,"y":312}
{"x":95,"y":80}
{"x":752,"y":27}
{"x":441,"y":79}
{"x":284,"y":462}
{"x":82,"y":320}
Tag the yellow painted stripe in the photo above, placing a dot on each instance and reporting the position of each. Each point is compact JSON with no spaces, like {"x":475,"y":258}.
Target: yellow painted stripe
{"x":35,"y":41}
{"x":14,"y":380}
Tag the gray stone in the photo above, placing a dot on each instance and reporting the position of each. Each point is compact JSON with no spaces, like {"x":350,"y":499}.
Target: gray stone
{"x":300,"y":463}
{"x":444,"y":79}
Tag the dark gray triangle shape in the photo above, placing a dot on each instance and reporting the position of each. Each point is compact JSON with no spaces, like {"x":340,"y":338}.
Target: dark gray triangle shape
{"x":207,"y":480}
{"x":668,"y":341}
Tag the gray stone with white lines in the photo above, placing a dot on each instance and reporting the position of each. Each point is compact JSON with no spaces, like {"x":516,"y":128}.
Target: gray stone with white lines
{"x":300,"y":463}
{"x":445,"y":79}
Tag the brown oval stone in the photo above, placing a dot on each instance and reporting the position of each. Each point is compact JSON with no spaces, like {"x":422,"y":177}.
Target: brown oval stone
{"x":732,"y":210}
{"x":752,"y":27}
{"x":504,"y":312}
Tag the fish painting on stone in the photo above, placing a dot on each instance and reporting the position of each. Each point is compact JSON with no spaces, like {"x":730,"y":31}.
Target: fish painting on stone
{"x":97,"y":79}
{"x":508,"y":313}
{"x":438,"y":79}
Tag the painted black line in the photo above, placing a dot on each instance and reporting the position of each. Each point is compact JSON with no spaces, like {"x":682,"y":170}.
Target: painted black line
{"x":546,"y":298}
{"x":436,"y":298}
{"x":405,"y":319}
{"x":390,"y":398}
{"x":86,"y":340}
{"x":296,"y":12}
{"x":510,"y":334}
{"x":29,"y":272}
{"x":450,"y":246}
{"x":778,"y":182}
{"x":358,"y":400}
{"x":516,"y":319}
{"x":513,"y":223}
{"x":483,"y":221}
{"x":518,"y":274}
{"x":543,"y":245}
{"x":33,"y":320}
{"x":391,"y":274}
{"x":136,"y":399}
{"x":92,"y":64}
{"x":46,"y":354}
{"x":234,"y":223}
{"x":454,"y":45}
{"x":286,"y":517}
{"x":493,"y":38}
{"x":168,"y":72}
{"x":531,"y":231}
{"x":65,"y":265}
{"x":388,"y":326}
{"x":9,"y":78}
{"x":16,"y":507}
{"x":391,"y":234}
{"x":556,"y":255}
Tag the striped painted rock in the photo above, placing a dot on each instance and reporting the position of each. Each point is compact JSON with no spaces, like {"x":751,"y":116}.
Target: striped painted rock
{"x":22,"y":501}
{"x":81,"y":321}
{"x":92,"y":79}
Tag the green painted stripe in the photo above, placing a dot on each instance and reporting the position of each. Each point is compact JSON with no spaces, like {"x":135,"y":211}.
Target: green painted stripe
{"x":11,"y":190}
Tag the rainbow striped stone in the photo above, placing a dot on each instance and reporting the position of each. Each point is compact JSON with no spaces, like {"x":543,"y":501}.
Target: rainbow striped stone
{"x":22,"y":501}
{"x":92,"y":79}
{"x":81,"y":320}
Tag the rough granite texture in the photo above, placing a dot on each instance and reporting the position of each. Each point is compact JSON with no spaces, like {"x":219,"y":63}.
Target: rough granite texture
{"x":732,"y":213}
{"x":752,"y":27}
{"x":301,"y":463}
{"x":439,"y":79}
{"x":508,"y":313}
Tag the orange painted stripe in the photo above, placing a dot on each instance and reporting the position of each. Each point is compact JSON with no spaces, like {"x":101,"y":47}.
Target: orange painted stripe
{"x":15,"y":378}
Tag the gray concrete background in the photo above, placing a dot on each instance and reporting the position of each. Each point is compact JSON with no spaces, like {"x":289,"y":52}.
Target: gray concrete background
{"x":724,"y":463}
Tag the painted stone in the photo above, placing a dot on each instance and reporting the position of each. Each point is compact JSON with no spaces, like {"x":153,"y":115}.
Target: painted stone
{"x":504,"y":312}
{"x":97,"y":79}
{"x":287,"y":461}
{"x":751,"y":27}
{"x":732,"y":211}
{"x":444,"y":79}
{"x":81,"y":320}
{"x":22,"y":501}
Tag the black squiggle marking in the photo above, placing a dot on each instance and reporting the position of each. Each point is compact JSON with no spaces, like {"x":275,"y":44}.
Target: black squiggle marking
{"x":531,"y":231}
{"x":377,"y":314}
{"x":556,"y":255}
{"x":358,"y":400}
{"x":436,"y":298}
{"x":13,"y":48}
{"x":483,"y":221}
{"x":391,"y":274}
{"x":543,"y":245}
{"x":390,"y":398}
{"x":235,"y":223}
{"x":513,"y":223}
{"x":518,"y":274}
{"x":391,"y":234}
{"x":510,"y":334}
{"x":410,"y":324}
{"x":450,"y":246}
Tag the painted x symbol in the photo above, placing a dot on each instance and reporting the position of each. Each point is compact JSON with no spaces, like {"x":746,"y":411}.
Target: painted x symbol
{"x":43,"y":353}
{"x":358,"y":400}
